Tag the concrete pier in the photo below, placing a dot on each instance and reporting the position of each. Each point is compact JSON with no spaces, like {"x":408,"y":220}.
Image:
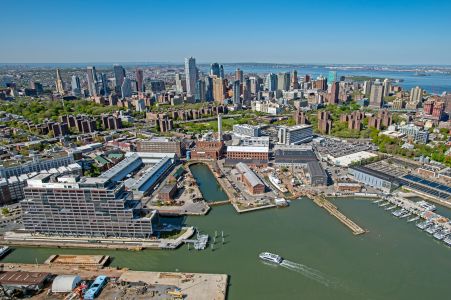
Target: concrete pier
{"x":333,"y":210}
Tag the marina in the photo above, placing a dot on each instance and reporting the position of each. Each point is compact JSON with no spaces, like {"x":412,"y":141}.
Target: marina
{"x":433,"y":224}
{"x":304,"y":234}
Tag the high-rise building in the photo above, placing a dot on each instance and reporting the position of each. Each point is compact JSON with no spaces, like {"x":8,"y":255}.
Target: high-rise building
{"x":376,"y":95}
{"x":295,"y":135}
{"x":320,"y":83}
{"x":126,"y":88}
{"x":367,"y":87}
{"x":237,"y":93}
{"x":92,"y":81}
{"x":221,"y":71}
{"x":271,"y":82}
{"x":334,"y":92}
{"x":247,"y":92}
{"x":214,"y":70}
{"x":416,"y":94}
{"x":140,"y":80}
{"x":332,"y":77}
{"x":191,"y":75}
{"x":180,"y":83}
{"x":209,"y":89}
{"x":199,"y":95}
{"x":283,"y":81}
{"x":324,"y":122}
{"x":255,"y":84}
{"x":387,"y":87}
{"x":219,"y":89}
{"x":59,"y":83}
{"x":294,"y":80}
{"x":119,"y":76}
{"x":239,"y":75}
{"x":83,"y":207}
{"x":75,"y":86}
{"x":103,"y":84}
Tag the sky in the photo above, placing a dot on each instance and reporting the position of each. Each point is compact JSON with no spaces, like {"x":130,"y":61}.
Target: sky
{"x":280,"y":31}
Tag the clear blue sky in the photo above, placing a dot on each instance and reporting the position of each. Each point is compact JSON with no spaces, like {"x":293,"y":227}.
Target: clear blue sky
{"x":315,"y":31}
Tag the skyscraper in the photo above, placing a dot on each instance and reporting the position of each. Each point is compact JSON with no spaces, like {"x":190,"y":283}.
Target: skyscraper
{"x":239,"y":75}
{"x":75,"y":86}
{"x":334,"y":92}
{"x":271,"y":82}
{"x":416,"y":94}
{"x":221,"y":71}
{"x":139,"y":80}
{"x":180,"y":83}
{"x":219,"y":89}
{"x":191,"y":75}
{"x":126,"y":88}
{"x":236,"y":93}
{"x":377,"y":92}
{"x":59,"y":83}
{"x":247,"y":92}
{"x":104,"y":90}
{"x":92,"y":81}
{"x":119,"y":75}
{"x":283,"y":81}
{"x":386,"y":87}
{"x":332,"y":77}
{"x":199,"y":95}
{"x":214,"y":70}
{"x":294,"y":80}
{"x":209,"y":89}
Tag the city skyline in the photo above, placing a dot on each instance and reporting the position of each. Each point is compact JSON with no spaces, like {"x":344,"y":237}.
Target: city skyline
{"x":157,"y":31}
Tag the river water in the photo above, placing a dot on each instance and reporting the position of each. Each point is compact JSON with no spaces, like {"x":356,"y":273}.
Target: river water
{"x":394,"y":260}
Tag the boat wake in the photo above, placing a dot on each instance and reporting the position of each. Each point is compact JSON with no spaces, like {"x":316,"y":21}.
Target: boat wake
{"x":308,"y":272}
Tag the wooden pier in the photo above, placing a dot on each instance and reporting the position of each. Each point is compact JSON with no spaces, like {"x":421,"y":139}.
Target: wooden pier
{"x":333,"y":210}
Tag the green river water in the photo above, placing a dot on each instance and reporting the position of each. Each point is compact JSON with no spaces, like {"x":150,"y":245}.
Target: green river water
{"x":394,"y":260}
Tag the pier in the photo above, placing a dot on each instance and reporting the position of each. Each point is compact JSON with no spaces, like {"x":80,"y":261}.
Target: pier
{"x":333,"y":210}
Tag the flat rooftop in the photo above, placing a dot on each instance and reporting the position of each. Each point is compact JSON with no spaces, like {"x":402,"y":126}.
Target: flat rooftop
{"x":260,"y":149}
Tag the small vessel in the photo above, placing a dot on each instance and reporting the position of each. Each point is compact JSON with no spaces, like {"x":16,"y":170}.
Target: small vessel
{"x":274,"y":258}
{"x":281,"y":202}
{"x":398,"y":212}
{"x":413,"y":219}
{"x":390,"y":207}
{"x":433,"y":229}
{"x":378,"y":201}
{"x":441,"y":234}
{"x":447,"y":241}
{"x":4,"y":250}
{"x":405,"y":215}
{"x":423,"y":225}
{"x":384,"y":204}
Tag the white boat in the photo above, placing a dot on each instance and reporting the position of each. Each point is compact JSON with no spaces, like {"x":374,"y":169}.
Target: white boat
{"x":281,"y":202}
{"x":4,"y":250}
{"x":274,"y":258}
{"x":276,"y":182}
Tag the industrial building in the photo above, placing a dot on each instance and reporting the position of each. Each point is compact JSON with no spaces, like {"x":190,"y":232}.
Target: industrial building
{"x":316,"y":173}
{"x":253,"y":184}
{"x":208,"y":150}
{"x":74,"y":206}
{"x":293,"y":156}
{"x":374,"y":178}
{"x":251,"y":155}
{"x":161,"y":145}
{"x":35,"y":163}
{"x":295,"y":135}
{"x":148,"y":178}
{"x":246,"y":130}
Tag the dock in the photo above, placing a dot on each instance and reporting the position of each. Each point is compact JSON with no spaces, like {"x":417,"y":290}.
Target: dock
{"x":333,"y":210}
{"x":78,"y":260}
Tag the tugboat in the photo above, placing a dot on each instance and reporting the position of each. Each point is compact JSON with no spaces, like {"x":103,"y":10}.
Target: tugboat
{"x":270,"y":257}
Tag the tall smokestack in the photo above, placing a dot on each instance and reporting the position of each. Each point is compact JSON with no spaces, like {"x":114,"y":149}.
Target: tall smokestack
{"x":220,"y":127}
